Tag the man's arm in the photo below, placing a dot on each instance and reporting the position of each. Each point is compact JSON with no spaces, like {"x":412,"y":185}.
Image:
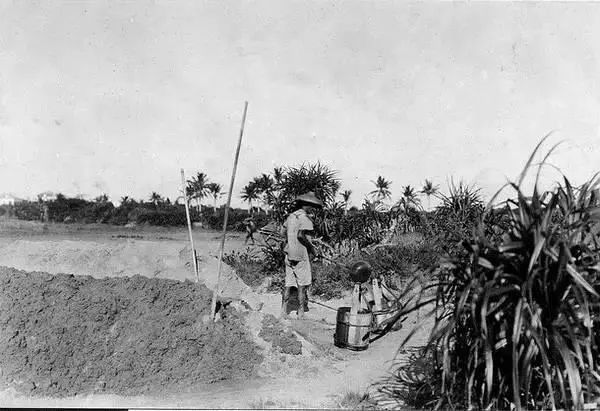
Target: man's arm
{"x":283,"y":230}
{"x":304,"y":239}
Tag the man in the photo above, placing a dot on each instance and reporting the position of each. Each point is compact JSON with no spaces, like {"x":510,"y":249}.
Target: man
{"x":299,"y":249}
{"x":250,"y":229}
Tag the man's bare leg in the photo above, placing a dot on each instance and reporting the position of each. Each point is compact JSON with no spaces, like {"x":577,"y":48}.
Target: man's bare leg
{"x":284,"y":301}
{"x":301,"y":301}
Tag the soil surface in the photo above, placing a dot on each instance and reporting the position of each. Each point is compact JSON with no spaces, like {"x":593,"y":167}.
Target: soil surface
{"x":284,"y":340}
{"x":63,"y":335}
{"x":119,"y":339}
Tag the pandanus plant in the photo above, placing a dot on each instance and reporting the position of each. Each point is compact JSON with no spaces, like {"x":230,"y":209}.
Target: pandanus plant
{"x":516,"y":320}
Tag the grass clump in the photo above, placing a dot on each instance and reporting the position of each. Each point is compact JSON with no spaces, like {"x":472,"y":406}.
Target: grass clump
{"x":415,"y":383}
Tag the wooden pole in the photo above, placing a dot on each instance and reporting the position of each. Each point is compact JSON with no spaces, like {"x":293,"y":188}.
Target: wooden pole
{"x":235,"y":163}
{"x":189,"y":224}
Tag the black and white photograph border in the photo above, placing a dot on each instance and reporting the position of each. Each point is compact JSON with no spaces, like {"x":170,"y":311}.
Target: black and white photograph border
{"x":299,"y":204}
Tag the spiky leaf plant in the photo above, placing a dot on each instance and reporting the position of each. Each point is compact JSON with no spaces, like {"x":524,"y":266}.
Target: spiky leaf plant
{"x":294,"y":181}
{"x":455,"y":217}
{"x":516,"y":320}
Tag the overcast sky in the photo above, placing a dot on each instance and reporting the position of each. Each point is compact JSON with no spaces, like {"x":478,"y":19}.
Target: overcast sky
{"x":116,"y":97}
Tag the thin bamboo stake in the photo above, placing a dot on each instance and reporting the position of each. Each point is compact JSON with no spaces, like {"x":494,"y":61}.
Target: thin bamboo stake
{"x":189,"y":224}
{"x":213,"y":308}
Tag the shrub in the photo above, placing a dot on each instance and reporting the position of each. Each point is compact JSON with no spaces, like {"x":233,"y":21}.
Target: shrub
{"x":396,"y":263}
{"x":330,"y":280}
{"x":515,"y":321}
{"x":295,"y":181}
{"x":162,"y":217}
{"x":414,"y":384}
{"x":27,"y":210}
{"x":6,"y":210}
{"x":97,"y":212}
{"x":119,"y":216}
{"x":456,"y":218}
{"x":136,"y":213}
{"x":364,"y":227}
{"x":273,"y":257}
{"x":403,"y":260}
{"x":235,"y":219}
{"x":64,"y":208}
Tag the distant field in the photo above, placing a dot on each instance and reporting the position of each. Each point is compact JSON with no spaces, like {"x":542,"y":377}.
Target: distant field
{"x":105,"y":250}
{"x":12,"y":228}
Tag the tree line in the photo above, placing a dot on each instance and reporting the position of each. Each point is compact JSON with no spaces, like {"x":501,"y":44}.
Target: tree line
{"x":270,"y":191}
{"x":269,"y":196}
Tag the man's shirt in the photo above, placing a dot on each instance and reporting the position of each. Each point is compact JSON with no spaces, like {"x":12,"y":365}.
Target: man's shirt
{"x":296,"y":221}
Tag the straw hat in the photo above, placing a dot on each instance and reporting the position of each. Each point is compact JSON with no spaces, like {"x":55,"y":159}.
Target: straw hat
{"x":309,"y":198}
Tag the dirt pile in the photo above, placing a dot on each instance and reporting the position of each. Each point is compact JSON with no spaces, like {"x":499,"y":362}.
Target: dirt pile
{"x":63,"y":335}
{"x":281,"y":338}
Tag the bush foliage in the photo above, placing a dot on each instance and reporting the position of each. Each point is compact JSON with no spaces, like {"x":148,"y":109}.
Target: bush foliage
{"x":27,"y":210}
{"x":331,"y":280}
{"x":162,"y":213}
{"x":516,"y":318}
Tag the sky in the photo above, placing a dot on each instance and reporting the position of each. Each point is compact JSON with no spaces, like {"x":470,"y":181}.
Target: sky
{"x":116,"y":97}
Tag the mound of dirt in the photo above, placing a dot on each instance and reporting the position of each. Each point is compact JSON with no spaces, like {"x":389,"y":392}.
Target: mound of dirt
{"x":63,"y":335}
{"x":281,"y":339}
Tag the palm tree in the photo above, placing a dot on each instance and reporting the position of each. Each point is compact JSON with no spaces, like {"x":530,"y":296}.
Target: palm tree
{"x":409,"y":195}
{"x":125,"y":200}
{"x":197,"y":188}
{"x":264,"y":186}
{"x":278,"y":175}
{"x":156,"y":198}
{"x":346,"y":197}
{"x":249,"y":194}
{"x":407,"y":206}
{"x":382,"y":189}
{"x":215,"y":191}
{"x":429,"y":189}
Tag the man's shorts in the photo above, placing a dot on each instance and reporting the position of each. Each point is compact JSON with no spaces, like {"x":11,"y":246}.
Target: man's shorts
{"x":297,"y":273}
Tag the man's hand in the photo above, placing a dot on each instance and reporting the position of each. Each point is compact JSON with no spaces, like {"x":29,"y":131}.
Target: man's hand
{"x":304,"y":239}
{"x":316,"y":254}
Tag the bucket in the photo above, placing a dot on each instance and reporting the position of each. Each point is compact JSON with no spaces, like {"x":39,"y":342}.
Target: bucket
{"x":352,"y":331}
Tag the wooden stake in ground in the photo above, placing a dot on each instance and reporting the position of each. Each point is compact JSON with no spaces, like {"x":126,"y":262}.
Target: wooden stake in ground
{"x":213,"y":307}
{"x":189,"y":224}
